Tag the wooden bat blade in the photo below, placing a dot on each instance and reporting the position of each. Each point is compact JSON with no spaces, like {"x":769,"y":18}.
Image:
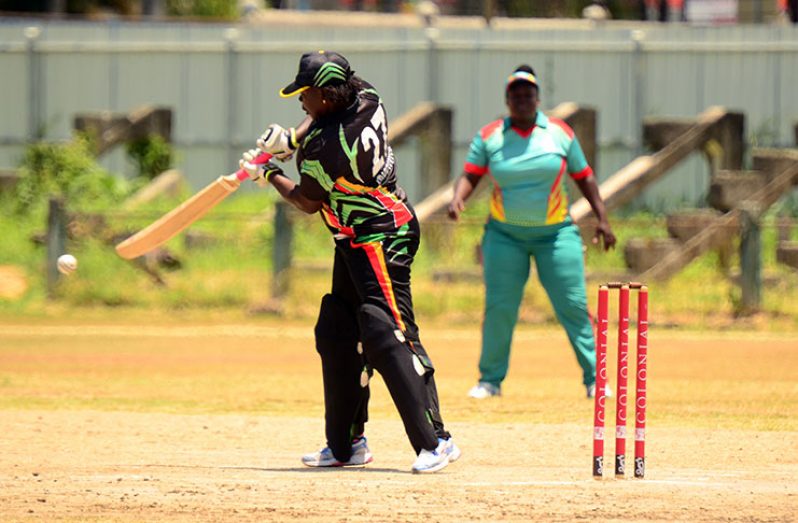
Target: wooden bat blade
{"x":170,"y":224}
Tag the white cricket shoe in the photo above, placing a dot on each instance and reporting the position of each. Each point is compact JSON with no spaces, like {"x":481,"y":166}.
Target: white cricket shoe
{"x":591,"y":391}
{"x":324,"y":458}
{"x":484,"y":390}
{"x":434,"y":460}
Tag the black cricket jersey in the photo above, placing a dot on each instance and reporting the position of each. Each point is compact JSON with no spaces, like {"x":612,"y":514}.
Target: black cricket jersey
{"x":346,"y":162}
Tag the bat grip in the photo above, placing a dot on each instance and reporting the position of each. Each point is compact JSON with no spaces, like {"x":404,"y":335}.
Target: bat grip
{"x":242,"y":175}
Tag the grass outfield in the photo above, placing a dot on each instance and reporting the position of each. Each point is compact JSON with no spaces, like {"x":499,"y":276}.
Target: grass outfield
{"x":232,"y":272}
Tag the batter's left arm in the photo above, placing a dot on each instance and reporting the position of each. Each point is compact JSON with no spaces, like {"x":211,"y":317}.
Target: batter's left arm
{"x":291,"y":192}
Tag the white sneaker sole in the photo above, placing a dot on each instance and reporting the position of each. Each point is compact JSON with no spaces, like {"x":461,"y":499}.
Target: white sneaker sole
{"x":607,"y":393}
{"x":436,"y":468}
{"x":317,"y":464}
{"x":453,"y":456}
{"x":481,"y":394}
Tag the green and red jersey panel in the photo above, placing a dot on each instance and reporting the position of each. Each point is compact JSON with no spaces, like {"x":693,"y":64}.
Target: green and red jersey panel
{"x":345,"y":162}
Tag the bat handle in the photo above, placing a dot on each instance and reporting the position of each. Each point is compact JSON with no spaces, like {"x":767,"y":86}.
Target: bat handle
{"x":242,"y":175}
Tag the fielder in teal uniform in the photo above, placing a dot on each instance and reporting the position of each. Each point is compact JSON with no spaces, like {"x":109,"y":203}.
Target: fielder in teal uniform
{"x":527,"y":156}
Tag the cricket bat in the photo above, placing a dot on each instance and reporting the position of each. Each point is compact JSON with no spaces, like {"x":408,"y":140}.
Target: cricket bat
{"x":171,"y":223}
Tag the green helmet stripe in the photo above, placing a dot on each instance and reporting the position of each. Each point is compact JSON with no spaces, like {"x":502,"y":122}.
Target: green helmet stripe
{"x":328,"y":72}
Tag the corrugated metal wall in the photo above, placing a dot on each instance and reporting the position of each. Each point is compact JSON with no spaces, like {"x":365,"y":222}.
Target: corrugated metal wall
{"x":222,"y":81}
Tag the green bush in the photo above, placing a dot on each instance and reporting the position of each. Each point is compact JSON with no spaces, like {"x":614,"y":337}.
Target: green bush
{"x":152,"y":155}
{"x":67,"y":170}
{"x":226,"y":9}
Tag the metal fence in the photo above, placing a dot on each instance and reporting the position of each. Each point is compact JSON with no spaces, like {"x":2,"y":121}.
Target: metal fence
{"x":222,"y":80}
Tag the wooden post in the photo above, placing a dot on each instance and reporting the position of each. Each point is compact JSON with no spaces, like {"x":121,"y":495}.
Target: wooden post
{"x":750,"y":257}
{"x":725,"y":148}
{"x":109,"y":129}
{"x":731,"y":135}
{"x":488,"y":10}
{"x":583,"y":120}
{"x":8,"y":180}
{"x":783,"y":227}
{"x":56,"y":242}
{"x":282,"y":248}
{"x":435,"y":142}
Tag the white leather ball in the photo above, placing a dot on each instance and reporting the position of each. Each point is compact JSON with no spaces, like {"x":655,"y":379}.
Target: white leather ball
{"x":67,"y":264}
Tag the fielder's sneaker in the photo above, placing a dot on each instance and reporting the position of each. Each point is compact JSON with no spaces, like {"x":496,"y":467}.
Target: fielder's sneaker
{"x":484,"y":390}
{"x":434,"y":460}
{"x":591,"y":391}
{"x":324,"y":458}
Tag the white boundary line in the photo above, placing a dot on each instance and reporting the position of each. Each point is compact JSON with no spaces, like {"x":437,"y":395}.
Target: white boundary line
{"x":701,"y":482}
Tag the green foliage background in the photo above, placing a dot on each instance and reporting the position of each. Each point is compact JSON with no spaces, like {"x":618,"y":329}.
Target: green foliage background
{"x":212,"y":9}
{"x":67,"y":170}
{"x":223,"y":9}
{"x":152,"y":155}
{"x":227,"y":260}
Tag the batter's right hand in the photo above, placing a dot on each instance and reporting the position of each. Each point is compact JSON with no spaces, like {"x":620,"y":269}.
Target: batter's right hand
{"x":260,"y":172}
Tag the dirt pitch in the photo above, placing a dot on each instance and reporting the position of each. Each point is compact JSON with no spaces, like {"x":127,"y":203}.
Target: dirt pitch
{"x":207,"y":422}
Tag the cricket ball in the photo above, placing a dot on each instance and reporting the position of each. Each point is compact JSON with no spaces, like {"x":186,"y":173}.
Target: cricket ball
{"x":67,"y":264}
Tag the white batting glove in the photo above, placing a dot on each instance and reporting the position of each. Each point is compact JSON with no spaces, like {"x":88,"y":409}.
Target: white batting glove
{"x":278,"y":141}
{"x":260,"y":172}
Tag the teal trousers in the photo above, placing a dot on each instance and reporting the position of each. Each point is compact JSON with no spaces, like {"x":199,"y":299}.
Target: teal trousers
{"x":559,"y":259}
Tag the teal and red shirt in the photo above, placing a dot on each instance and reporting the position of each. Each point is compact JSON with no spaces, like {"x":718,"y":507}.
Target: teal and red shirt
{"x":527,"y":168}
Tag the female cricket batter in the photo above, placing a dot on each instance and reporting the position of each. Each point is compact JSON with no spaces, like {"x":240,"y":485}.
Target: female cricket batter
{"x":526,"y":156}
{"x":348,"y":172}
